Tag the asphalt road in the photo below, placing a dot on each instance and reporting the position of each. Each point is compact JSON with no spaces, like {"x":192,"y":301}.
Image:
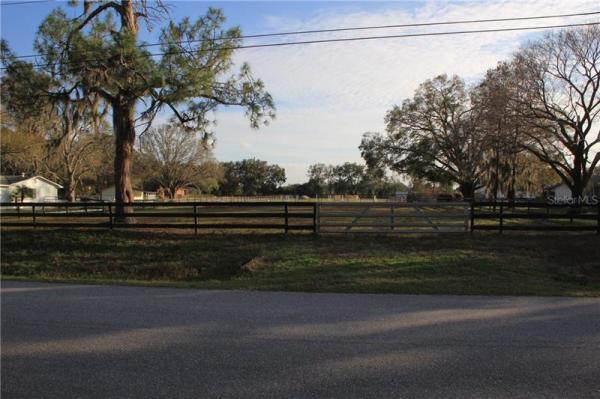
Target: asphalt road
{"x":77,"y":341}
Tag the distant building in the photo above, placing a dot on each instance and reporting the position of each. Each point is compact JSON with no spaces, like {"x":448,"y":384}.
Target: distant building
{"x":482,"y":193}
{"x":163,"y":194}
{"x":42,"y":189}
{"x":559,"y":192}
{"x":401,"y":196}
{"x":108,"y":194}
{"x":180,"y":193}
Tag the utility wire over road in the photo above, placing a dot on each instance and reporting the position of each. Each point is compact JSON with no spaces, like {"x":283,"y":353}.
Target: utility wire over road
{"x":18,"y":3}
{"x":349,"y":39}
{"x":373,"y":27}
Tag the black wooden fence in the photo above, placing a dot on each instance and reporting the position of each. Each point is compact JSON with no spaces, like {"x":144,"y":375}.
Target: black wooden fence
{"x":316,"y":217}
{"x":285,"y":216}
{"x":538,"y":216}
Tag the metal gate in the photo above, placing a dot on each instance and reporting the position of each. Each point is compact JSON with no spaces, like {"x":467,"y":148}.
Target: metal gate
{"x":392,"y":217}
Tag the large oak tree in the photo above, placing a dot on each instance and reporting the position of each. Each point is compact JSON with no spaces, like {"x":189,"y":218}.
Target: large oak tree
{"x":178,"y":159}
{"x":556,"y":97}
{"x":251,"y":177}
{"x":189,"y":76}
{"x":501,"y":130}
{"x":434,"y":135}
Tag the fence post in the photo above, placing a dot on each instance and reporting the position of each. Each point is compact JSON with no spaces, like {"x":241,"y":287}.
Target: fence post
{"x":33,"y":214}
{"x":501,"y":217}
{"x":598,"y":218}
{"x":466,"y":217}
{"x":18,"y":211}
{"x":110,"y":217}
{"x":195,"y":220}
{"x":472,"y":215}
{"x":392,"y":215}
{"x":316,"y":217}
{"x":285,"y":208}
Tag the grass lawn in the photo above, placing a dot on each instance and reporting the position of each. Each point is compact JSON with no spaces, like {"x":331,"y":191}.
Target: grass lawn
{"x":511,"y":264}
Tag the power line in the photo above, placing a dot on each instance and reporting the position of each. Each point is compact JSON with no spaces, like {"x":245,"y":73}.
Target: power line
{"x":364,"y":38}
{"x":349,"y":39}
{"x":16,"y":3}
{"x":346,"y":29}
{"x":413,"y":25}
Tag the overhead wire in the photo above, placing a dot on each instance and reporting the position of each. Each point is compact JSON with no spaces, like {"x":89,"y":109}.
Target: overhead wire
{"x":350,"y":39}
{"x":373,"y":27}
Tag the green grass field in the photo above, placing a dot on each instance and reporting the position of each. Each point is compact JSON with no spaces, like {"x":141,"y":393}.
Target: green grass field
{"x":511,"y":264}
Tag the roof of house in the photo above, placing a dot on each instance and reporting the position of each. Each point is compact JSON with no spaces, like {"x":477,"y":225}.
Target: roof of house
{"x":111,"y":188}
{"x":10,"y":180}
{"x":552,"y":187}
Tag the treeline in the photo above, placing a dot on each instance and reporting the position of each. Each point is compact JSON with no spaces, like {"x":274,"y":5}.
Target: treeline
{"x":346,"y":179}
{"x":83,"y":114}
{"x":531,"y":121}
{"x":169,"y":158}
{"x":252,"y":176}
{"x":81,"y":160}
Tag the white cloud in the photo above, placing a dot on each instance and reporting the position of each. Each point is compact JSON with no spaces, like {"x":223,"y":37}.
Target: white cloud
{"x":245,"y":145}
{"x":329,"y":94}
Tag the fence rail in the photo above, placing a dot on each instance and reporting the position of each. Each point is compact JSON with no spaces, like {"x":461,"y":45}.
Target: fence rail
{"x":315,"y":216}
{"x":393,"y":217}
{"x":505,"y":216}
{"x":182,"y":215}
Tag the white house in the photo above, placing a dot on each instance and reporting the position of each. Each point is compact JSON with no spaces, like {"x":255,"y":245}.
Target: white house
{"x":483,"y":193}
{"x":401,"y":196}
{"x":559,"y":192}
{"x":108,"y":194}
{"x":43,"y":190}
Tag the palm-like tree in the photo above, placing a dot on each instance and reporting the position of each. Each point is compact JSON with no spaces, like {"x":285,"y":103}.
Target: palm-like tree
{"x":23,"y":192}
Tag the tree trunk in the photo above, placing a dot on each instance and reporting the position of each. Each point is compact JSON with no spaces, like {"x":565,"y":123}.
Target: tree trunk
{"x":511,"y":191}
{"x":70,"y":189}
{"x":467,"y":189}
{"x":124,"y":130}
{"x":495,"y":188}
{"x":123,"y":107}
{"x":577,"y":191}
{"x":128,"y":17}
{"x":497,"y":175}
{"x":512,"y":188}
{"x":70,"y":185}
{"x":578,"y":176}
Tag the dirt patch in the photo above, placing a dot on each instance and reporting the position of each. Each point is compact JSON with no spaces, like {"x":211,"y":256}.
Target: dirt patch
{"x":253,"y":265}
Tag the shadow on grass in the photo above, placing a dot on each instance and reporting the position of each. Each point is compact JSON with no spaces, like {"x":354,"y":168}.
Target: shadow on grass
{"x":449,"y":264}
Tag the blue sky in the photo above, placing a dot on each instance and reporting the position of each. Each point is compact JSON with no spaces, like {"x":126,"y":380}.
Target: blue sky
{"x":328,"y":95}
{"x":19,"y":22}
